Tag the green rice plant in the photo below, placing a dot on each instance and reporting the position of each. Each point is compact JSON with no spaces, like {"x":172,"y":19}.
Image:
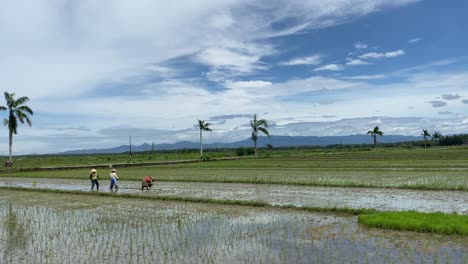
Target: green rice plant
{"x":447,"y":224}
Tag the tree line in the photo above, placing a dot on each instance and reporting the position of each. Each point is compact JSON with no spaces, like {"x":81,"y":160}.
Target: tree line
{"x":261,"y":126}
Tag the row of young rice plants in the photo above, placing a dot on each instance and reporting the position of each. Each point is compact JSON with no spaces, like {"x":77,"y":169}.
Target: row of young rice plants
{"x":51,"y":227}
{"x":371,"y":178}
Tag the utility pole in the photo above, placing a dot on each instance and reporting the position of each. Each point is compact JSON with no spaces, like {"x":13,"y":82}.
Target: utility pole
{"x":130,"y":145}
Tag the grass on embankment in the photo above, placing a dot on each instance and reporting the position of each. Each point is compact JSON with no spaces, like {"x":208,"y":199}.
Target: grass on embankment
{"x":437,"y":223}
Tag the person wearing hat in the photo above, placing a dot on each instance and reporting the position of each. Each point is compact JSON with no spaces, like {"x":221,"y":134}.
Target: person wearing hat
{"x":113,"y":180}
{"x":93,"y":176}
{"x":147,"y":182}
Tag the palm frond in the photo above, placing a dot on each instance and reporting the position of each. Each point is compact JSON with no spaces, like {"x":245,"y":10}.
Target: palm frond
{"x":26,"y":108}
{"x":22,"y":100}
{"x":264,"y":130}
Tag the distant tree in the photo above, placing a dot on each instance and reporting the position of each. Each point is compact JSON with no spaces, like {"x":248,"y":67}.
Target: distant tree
{"x":17,"y":111}
{"x":425,"y":135}
{"x":258,"y":126}
{"x":374,"y":134}
{"x":203,"y":126}
{"x":436,"y":136}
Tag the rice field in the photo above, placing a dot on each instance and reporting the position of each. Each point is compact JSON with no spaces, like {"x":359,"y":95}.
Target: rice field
{"x":273,"y":194}
{"x":288,"y":206}
{"x":65,"y":228}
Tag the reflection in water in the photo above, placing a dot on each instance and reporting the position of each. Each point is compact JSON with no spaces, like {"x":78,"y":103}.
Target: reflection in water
{"x":331,"y":197}
{"x":69,"y":229}
{"x":15,"y":234}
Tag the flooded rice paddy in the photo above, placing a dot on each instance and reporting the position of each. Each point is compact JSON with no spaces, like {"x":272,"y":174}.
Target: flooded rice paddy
{"x":301,"y":196}
{"x":66,"y":228}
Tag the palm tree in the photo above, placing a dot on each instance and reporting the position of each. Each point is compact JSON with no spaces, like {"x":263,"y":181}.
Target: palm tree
{"x":374,"y":134}
{"x":17,"y":111}
{"x":203,"y":126}
{"x":436,"y":136}
{"x":425,"y":135}
{"x":258,"y":125}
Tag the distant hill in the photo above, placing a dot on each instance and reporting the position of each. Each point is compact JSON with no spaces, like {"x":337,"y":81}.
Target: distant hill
{"x":276,"y":141}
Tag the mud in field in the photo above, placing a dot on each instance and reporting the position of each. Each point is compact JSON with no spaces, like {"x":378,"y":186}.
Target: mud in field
{"x":328,"y":197}
{"x":65,"y":228}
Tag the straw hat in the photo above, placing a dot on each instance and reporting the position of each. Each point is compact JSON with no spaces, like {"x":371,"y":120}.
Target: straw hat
{"x":93,"y":171}
{"x":113,"y":170}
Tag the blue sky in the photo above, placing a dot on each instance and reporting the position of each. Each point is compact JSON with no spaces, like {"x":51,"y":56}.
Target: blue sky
{"x":97,"y":72}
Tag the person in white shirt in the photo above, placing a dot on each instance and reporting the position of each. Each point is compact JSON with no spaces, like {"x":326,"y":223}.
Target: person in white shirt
{"x":113,"y":180}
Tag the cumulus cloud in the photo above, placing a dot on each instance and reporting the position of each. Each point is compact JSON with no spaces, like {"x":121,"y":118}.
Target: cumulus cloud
{"x":385,"y":55}
{"x":330,"y":67}
{"x":465,"y":101}
{"x":311,"y":60}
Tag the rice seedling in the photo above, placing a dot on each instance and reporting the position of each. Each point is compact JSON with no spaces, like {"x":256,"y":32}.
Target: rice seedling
{"x":449,"y":224}
{"x":58,"y":229}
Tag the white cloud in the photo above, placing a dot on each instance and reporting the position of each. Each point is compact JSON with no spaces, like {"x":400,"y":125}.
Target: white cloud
{"x":365,"y":77}
{"x":330,"y":67}
{"x":242,"y":59}
{"x":385,"y":55}
{"x":414,"y":41}
{"x":355,"y":62}
{"x":360,"y":45}
{"x":247,"y":84}
{"x":311,"y":60}
{"x":77,"y":61}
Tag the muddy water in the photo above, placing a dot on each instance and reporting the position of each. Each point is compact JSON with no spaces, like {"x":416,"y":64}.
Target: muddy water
{"x":59,"y":228}
{"x":380,"y":199}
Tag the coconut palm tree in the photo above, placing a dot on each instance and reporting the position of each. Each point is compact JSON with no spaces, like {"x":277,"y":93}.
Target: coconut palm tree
{"x":17,"y":111}
{"x":258,"y":125}
{"x":436,"y":136}
{"x":202,"y":125}
{"x":425,"y":135}
{"x":374,"y":134}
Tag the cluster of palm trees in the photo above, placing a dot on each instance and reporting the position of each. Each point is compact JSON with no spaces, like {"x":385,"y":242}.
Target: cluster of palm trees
{"x":257,"y":125}
{"x":426,"y":135}
{"x":18,"y":112}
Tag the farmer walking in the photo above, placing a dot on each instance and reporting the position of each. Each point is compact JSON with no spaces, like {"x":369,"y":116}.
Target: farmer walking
{"x":93,"y":176}
{"x":113,"y":180}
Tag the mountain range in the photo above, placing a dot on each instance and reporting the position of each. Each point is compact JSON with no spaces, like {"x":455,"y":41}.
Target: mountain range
{"x":276,"y":141}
